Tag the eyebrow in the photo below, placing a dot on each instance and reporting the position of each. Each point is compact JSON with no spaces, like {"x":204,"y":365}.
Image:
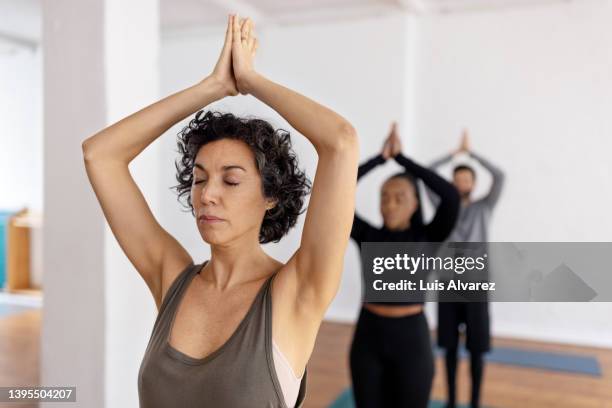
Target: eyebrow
{"x":225,"y":168}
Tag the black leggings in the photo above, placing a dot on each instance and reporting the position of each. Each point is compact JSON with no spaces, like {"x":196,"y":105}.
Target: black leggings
{"x":476,"y":369}
{"x":391,"y":361}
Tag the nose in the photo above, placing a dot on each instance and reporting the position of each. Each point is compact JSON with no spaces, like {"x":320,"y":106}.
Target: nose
{"x":389,"y":207}
{"x":210,"y":193}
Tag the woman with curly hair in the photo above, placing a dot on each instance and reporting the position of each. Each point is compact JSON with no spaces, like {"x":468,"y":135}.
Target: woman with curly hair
{"x":236,"y":330}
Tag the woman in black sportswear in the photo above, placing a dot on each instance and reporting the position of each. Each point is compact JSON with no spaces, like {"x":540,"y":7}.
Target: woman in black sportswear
{"x":391,"y":358}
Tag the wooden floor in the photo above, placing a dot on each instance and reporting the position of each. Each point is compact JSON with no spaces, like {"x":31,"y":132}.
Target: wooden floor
{"x":503,"y":386}
{"x":19,"y":352}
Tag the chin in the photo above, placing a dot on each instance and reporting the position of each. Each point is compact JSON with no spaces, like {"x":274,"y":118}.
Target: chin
{"x":213,"y":238}
{"x":215,"y":242}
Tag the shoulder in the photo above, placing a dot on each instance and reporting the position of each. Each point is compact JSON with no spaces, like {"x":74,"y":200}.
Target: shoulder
{"x":174,"y":263}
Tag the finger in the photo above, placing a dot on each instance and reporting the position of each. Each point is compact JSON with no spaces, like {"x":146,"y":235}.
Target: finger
{"x":386,"y":145}
{"x":228,"y":37}
{"x":235,"y":30}
{"x":243,"y":26}
{"x":249,"y":27}
{"x":244,"y":32}
{"x":251,"y":43}
{"x":255,"y":45}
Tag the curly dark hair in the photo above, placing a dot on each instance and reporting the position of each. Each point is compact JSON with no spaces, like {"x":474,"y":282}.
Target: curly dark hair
{"x":275,"y":160}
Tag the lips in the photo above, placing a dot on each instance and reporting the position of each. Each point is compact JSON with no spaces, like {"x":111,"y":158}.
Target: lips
{"x":209,"y":218}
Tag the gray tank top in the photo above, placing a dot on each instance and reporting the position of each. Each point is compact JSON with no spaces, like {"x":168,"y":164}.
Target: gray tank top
{"x":238,"y":374}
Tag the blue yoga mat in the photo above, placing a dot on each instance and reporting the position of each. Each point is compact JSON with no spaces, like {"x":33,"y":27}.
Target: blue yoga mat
{"x":345,"y":400}
{"x":571,"y":363}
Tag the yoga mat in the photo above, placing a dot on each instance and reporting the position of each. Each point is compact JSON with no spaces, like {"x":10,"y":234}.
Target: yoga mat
{"x":345,"y":400}
{"x":565,"y":362}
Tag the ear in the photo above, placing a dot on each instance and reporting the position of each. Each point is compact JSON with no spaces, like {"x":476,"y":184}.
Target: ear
{"x":271,"y":203}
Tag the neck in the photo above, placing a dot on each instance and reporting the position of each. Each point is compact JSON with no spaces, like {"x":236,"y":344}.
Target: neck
{"x":401,"y":227}
{"x":237,"y":262}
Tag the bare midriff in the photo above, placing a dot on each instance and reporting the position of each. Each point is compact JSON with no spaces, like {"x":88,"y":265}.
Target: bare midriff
{"x":393,"y":310}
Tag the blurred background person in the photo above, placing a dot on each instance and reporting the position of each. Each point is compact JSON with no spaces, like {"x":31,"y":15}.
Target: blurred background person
{"x":472,"y":226}
{"x":391,"y":358}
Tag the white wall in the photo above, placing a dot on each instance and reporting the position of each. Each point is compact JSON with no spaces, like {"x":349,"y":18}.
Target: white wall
{"x":73,"y":329}
{"x":132,"y":42}
{"x":21,"y":179}
{"x":534,"y":86}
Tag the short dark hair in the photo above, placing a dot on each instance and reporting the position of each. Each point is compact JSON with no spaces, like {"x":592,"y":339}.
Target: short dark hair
{"x":275,"y":160}
{"x":462,"y":167}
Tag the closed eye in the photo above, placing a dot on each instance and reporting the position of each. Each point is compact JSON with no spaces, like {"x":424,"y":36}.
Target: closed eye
{"x":229,"y":183}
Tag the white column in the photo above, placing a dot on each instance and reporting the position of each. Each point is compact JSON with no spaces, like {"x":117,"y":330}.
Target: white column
{"x":100,"y":64}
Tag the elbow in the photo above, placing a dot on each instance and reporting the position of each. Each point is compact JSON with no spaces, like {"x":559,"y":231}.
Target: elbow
{"x":347,"y":131}
{"x":499,"y":180}
{"x":344,"y":140}
{"x":92,"y":151}
{"x":86,"y":149}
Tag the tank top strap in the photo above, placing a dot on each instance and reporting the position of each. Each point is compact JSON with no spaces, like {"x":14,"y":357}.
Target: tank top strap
{"x":174,"y":291}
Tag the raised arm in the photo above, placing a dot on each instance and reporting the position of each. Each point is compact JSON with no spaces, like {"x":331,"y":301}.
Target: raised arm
{"x":367,"y":166}
{"x":446,"y":214}
{"x":435,"y":200}
{"x":155,"y":254}
{"x":441,"y":161}
{"x":312,"y":276}
{"x":360,"y":226}
{"x":498,"y":179}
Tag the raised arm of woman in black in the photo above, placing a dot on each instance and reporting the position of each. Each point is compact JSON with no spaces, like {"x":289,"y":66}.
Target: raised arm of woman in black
{"x":360,"y":226}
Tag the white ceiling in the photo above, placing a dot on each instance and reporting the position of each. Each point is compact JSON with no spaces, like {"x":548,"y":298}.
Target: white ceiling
{"x":190,"y":13}
{"x":20,"y":20}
